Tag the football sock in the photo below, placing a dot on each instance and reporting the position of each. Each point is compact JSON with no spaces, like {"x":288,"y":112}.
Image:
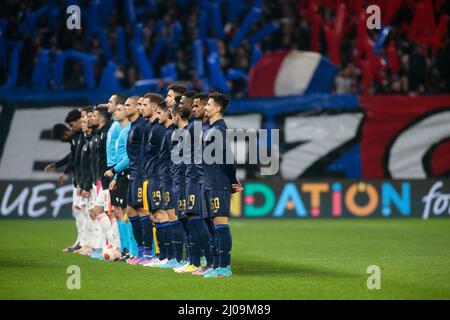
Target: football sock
{"x":170,"y":233}
{"x":147,"y":232}
{"x":115,"y":233}
{"x":224,"y":237}
{"x":78,"y":215}
{"x":160,"y":235}
{"x":186,"y":243}
{"x":123,"y":235}
{"x":203,"y":237}
{"x":165,"y":228}
{"x":213,"y":242}
{"x":194,"y":244}
{"x":106,"y":227}
{"x":136,"y":225}
{"x":132,"y":242}
{"x":177,"y":241}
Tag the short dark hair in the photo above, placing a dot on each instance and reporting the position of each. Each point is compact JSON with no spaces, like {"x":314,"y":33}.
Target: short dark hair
{"x":73,"y":115}
{"x":154,"y":97}
{"x":103,"y":112}
{"x":163,"y":105}
{"x":133,"y":98}
{"x":120,"y":97}
{"x":203,"y":96}
{"x":189,"y":94}
{"x":58,"y":131}
{"x":178,"y":88}
{"x":221,"y":99}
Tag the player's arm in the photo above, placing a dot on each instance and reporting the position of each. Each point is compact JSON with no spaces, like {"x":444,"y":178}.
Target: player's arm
{"x":229,"y":168}
{"x":63,"y":161}
{"x":123,"y":160}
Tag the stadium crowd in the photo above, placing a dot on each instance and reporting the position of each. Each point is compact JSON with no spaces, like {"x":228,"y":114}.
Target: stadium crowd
{"x":405,"y":63}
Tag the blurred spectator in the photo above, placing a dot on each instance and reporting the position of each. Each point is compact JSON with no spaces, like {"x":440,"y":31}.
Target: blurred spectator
{"x":417,"y":69}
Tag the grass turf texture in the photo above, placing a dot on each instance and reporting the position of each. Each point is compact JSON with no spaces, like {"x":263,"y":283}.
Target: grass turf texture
{"x":272,"y":259}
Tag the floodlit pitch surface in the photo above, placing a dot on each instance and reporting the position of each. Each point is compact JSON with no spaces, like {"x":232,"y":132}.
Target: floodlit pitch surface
{"x":272,"y":259}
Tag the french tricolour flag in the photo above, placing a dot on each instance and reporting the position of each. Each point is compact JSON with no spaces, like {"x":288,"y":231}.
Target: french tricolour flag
{"x":291,"y":72}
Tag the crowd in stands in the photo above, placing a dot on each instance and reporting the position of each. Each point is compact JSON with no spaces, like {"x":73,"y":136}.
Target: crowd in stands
{"x":406,"y":62}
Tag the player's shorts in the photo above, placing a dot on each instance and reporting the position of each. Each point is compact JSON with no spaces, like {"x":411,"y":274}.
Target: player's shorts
{"x":194,"y":199}
{"x":77,"y":201}
{"x":168,"y":196}
{"x":135,"y":192}
{"x":217,"y":203}
{"x":103,"y":196}
{"x":119,"y":195}
{"x":180,"y":198}
{"x":153,"y":195}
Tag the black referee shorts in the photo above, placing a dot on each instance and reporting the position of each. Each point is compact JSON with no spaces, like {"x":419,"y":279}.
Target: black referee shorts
{"x":119,"y":195}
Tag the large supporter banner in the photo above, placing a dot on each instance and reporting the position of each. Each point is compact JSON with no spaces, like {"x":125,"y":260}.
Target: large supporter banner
{"x":405,"y":137}
{"x":325,"y":137}
{"x":314,"y":199}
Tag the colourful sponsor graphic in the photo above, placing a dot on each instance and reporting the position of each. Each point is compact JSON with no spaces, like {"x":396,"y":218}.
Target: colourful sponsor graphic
{"x":335,"y":199}
{"x":268,"y":199}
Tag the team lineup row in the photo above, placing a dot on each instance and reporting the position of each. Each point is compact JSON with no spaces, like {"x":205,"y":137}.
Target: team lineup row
{"x":132,"y":201}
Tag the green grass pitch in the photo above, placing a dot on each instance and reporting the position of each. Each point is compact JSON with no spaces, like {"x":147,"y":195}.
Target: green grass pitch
{"x":272,"y":259}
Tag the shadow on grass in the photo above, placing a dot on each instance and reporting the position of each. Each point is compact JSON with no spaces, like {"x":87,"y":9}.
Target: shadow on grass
{"x":252,"y":267}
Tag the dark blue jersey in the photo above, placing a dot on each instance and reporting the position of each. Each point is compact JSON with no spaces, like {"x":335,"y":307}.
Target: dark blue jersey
{"x":218,"y":176}
{"x":178,"y":171}
{"x":152,"y":150}
{"x":165,"y":162}
{"x":147,"y":127}
{"x":194,"y":167}
{"x":205,"y":127}
{"x":134,"y":146}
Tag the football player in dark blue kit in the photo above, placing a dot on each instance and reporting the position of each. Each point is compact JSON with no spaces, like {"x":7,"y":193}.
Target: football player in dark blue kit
{"x":175,"y":232}
{"x":197,"y":230}
{"x":153,"y":197}
{"x":180,"y":120}
{"x":219,"y":181}
{"x":136,"y":214}
{"x":205,"y":226}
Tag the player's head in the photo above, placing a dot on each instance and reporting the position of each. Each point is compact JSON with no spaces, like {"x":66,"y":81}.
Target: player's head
{"x":175,"y":102}
{"x":187,"y":102}
{"x":61,"y":132}
{"x":179,"y":117}
{"x":120,"y":114}
{"x":114,"y":101}
{"x":198,"y":107}
{"x":174,"y":90}
{"x":101,"y":116}
{"x":85,"y":124}
{"x":163,"y":113}
{"x":87,"y":115}
{"x":150,"y":104}
{"x":139,"y":105}
{"x":131,"y":106}
{"x":217,"y":104}
{"x":73,"y":119}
